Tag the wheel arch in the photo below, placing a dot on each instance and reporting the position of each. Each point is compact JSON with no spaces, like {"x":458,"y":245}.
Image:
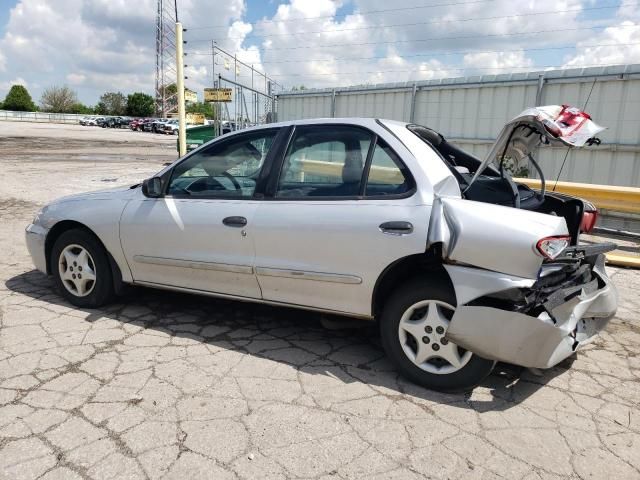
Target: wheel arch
{"x":425,"y":265}
{"x":66,"y":225}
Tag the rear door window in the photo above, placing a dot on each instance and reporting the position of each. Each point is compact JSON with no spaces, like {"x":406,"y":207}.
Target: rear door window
{"x":325,"y":161}
{"x":387,"y":174}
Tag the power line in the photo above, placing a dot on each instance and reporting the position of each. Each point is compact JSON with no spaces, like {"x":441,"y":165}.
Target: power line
{"x":435,"y":53}
{"x":367,"y":12}
{"x":461,"y":37}
{"x":444,"y":68}
{"x":424,"y":23}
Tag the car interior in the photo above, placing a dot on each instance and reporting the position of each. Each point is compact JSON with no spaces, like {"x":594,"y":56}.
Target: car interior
{"x":495,"y":185}
{"x":321,"y":163}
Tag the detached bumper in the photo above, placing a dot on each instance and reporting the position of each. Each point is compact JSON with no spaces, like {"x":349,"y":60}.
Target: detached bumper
{"x":35,"y":236}
{"x":572,"y":317}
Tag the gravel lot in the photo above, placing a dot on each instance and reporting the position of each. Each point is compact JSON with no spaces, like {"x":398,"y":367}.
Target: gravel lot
{"x":176,"y":386}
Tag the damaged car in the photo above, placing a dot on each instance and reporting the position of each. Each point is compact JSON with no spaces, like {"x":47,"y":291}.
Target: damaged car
{"x":460,"y":265}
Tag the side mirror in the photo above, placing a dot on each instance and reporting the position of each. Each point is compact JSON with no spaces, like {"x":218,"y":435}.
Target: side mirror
{"x":152,"y":187}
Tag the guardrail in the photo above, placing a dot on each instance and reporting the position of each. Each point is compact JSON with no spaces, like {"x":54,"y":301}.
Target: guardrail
{"x":40,"y":117}
{"x":605,"y":197}
{"x":44,"y":117}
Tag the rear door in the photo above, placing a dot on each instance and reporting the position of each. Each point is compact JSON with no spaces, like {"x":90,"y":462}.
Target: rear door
{"x":341,"y":208}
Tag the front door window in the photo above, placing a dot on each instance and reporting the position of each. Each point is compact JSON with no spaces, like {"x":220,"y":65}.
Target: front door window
{"x":227,"y":169}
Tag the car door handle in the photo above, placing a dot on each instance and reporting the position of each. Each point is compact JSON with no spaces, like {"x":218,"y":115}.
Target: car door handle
{"x":235,"y":221}
{"x":396,"y":228}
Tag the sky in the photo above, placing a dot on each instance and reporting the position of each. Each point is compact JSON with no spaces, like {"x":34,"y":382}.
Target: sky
{"x":94,"y":46}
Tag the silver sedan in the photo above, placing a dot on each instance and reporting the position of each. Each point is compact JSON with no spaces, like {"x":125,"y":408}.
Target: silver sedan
{"x":460,"y":265}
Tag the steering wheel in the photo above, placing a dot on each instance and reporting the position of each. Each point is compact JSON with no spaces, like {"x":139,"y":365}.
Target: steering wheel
{"x":233,"y":180}
{"x":202,"y":184}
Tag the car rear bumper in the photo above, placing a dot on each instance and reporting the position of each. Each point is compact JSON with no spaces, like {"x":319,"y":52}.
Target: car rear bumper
{"x":36,"y":236}
{"x":570,"y":317}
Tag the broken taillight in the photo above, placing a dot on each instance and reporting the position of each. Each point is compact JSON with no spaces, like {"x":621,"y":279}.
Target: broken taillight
{"x":589,"y":218}
{"x":551,"y":247}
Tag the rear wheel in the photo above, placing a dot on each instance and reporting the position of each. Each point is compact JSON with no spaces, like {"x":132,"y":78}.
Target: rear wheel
{"x":413,"y":327}
{"x":81,"y":269}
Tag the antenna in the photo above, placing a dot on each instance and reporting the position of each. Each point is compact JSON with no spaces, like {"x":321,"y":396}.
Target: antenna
{"x":569,"y":148}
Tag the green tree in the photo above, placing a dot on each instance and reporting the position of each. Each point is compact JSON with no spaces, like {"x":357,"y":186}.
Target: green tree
{"x":140,"y":105}
{"x":112,"y":103}
{"x":81,"y":108}
{"x":58,"y":99}
{"x":18,"y":99}
{"x":205,"y":108}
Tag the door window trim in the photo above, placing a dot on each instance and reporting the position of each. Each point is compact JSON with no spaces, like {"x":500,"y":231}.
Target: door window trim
{"x":263,"y":175}
{"x":274,"y":180}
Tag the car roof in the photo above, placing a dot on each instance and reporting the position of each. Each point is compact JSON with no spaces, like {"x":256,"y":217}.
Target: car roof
{"x":362,"y":121}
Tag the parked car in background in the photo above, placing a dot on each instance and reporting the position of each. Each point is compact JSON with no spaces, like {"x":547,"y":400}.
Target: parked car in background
{"x":146,"y":125}
{"x":102,"y":122}
{"x":136,"y":124}
{"x":228,"y":126}
{"x":460,"y":265}
{"x":171,"y":127}
{"x":89,"y":121}
{"x":109,"y":122}
{"x":116,"y":122}
{"x":157,"y":126}
{"x":124,"y":122}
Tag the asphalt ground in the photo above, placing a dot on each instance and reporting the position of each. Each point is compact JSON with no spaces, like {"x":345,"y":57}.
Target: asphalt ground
{"x":168,"y":385}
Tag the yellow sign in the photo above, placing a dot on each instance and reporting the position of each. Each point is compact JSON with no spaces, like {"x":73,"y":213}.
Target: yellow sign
{"x":190,"y":96}
{"x":195,"y":119}
{"x":217,"y":94}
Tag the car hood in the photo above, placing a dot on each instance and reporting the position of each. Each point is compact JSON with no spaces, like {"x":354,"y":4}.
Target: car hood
{"x":124,"y":193}
{"x":548,"y":125}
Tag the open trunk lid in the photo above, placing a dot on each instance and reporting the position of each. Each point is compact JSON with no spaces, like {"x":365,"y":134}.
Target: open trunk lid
{"x":551,"y":124}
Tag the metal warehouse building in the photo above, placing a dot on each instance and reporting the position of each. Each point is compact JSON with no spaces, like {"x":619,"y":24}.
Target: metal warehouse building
{"x":471,"y":111}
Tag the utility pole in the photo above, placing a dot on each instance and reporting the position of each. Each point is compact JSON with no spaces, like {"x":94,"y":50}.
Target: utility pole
{"x":166,"y":13}
{"x":182,"y":127}
{"x":213,"y":64}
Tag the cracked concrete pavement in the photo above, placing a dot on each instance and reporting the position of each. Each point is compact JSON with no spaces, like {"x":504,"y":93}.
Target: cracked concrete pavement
{"x":166,"y":385}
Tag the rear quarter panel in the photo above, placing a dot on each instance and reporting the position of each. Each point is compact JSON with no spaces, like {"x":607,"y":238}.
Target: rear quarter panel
{"x":493,"y":237}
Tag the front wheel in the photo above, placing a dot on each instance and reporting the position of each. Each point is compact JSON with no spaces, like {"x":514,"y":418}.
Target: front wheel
{"x":81,"y":269}
{"x":413,"y":327}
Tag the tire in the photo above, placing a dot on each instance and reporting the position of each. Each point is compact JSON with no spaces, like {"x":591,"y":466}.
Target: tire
{"x":67,"y":259}
{"x":415,"y":299}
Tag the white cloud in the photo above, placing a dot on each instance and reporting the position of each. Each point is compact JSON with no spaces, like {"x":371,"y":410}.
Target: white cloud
{"x":497,"y":62}
{"x":76,"y":78}
{"x":407,"y":43}
{"x":95,"y":45}
{"x":108,"y":45}
{"x":618,"y":45}
{"x":5,"y":86}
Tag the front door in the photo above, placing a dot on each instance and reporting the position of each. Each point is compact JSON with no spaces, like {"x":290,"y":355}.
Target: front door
{"x":341,"y":210}
{"x":199,"y":234}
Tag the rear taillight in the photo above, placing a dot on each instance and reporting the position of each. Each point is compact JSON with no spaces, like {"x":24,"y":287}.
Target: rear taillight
{"x":551,"y":247}
{"x":588,"y":221}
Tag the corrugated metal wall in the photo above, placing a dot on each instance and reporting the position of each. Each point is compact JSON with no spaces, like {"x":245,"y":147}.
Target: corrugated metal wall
{"x":472,"y":110}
